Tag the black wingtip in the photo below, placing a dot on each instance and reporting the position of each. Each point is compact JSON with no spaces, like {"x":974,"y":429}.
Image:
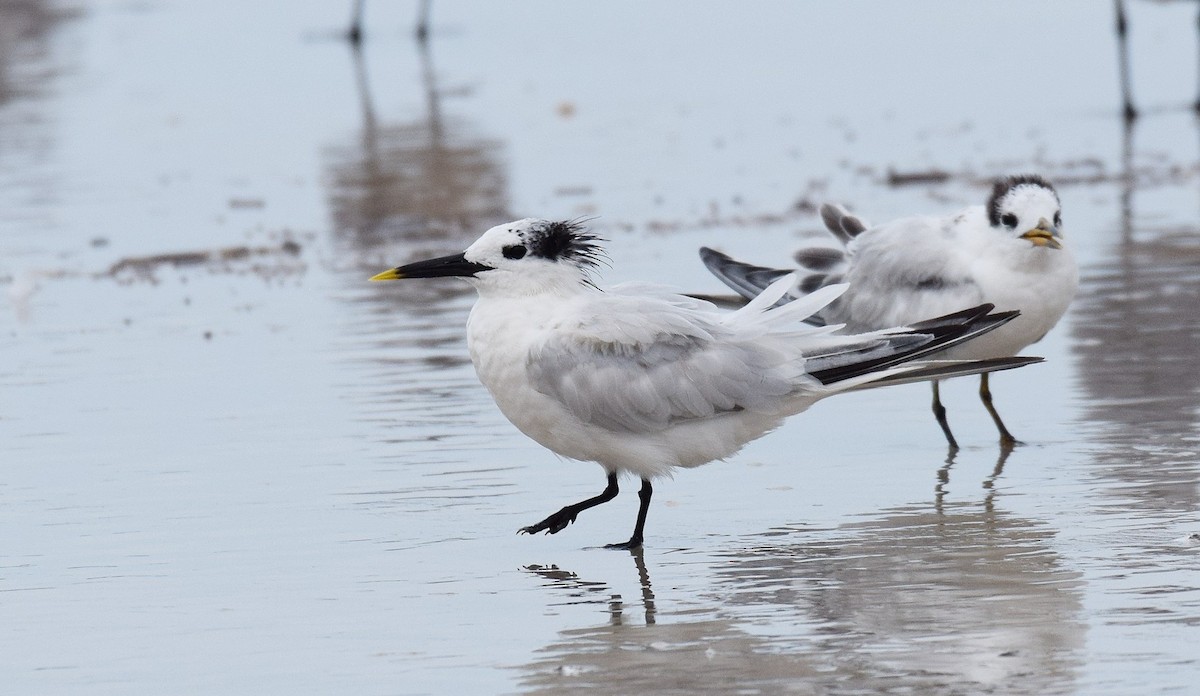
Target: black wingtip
{"x":943,"y":332}
{"x":957,"y":318}
{"x":954,"y":369}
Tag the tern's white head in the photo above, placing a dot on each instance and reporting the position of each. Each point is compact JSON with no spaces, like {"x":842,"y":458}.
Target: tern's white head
{"x":524,"y":257}
{"x":1027,"y":207}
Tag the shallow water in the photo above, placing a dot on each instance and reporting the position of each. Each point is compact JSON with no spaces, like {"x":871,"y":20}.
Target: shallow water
{"x":230,"y":464}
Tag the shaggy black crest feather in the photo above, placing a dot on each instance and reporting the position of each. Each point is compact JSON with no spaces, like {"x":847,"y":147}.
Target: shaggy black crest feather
{"x":1003,"y":186}
{"x":566,"y":240}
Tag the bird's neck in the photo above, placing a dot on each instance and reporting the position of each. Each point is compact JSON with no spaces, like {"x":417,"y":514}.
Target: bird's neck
{"x":544,"y":288}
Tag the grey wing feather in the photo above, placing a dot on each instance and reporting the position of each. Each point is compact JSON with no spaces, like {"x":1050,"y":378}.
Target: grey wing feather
{"x":642,"y":364}
{"x":853,"y":225}
{"x":749,"y":280}
{"x":831,"y":216}
{"x":905,"y":270}
{"x":647,"y":388}
{"x":820,"y":258}
{"x":813,"y":282}
{"x":913,"y":342}
{"x":745,"y":279}
{"x":841,"y":223}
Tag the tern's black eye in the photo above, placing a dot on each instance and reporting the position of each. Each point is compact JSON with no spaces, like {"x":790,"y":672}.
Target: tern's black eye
{"x":1058,"y":219}
{"x":516,"y":251}
{"x":1009,"y":220}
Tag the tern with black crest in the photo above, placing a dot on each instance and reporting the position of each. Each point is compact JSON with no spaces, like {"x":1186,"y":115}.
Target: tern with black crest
{"x":1010,"y":253}
{"x":645,"y":381}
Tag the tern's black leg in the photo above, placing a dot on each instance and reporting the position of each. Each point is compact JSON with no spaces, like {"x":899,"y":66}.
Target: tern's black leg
{"x":939,"y":412}
{"x":354,"y":33}
{"x":1127,"y":107}
{"x":636,"y":540}
{"x":1196,"y":106}
{"x":558,"y":521}
{"x":422,"y":30}
{"x":985,"y":395}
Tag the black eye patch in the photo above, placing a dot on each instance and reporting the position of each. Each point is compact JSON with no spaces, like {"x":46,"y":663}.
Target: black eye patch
{"x":1009,"y":220}
{"x":515,"y":251}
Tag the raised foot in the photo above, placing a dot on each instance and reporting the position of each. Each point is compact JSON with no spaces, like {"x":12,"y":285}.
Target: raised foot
{"x":553,"y":524}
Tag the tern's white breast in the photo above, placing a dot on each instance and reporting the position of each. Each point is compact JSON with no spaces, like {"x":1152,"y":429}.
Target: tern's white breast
{"x":501,"y":334}
{"x":1039,"y":282}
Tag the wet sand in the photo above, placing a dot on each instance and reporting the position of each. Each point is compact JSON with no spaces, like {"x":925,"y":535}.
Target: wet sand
{"x":230,"y":464}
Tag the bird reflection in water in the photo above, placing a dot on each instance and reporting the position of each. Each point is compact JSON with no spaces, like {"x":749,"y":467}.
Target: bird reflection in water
{"x":30,"y":68}
{"x":989,"y":484}
{"x":27,"y":62}
{"x":963,"y":596}
{"x":958,"y":597}
{"x":696,"y":652}
{"x":1134,"y":337}
{"x":589,"y":592}
{"x":1129,"y":111}
{"x":401,"y":188}
{"x":403,"y":182}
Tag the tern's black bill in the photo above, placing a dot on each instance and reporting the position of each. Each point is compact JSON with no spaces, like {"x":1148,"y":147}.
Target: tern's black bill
{"x":455,"y":265}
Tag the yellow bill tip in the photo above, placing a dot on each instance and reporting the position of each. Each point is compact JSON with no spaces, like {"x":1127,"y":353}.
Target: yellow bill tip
{"x":389,"y":274}
{"x":1040,"y":237}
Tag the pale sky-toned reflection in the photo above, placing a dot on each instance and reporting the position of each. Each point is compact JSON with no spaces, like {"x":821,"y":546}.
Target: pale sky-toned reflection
{"x":960,"y":597}
{"x":224,"y":480}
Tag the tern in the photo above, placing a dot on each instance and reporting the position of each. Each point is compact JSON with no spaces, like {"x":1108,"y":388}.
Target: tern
{"x":642,"y":380}
{"x":1009,"y":253}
